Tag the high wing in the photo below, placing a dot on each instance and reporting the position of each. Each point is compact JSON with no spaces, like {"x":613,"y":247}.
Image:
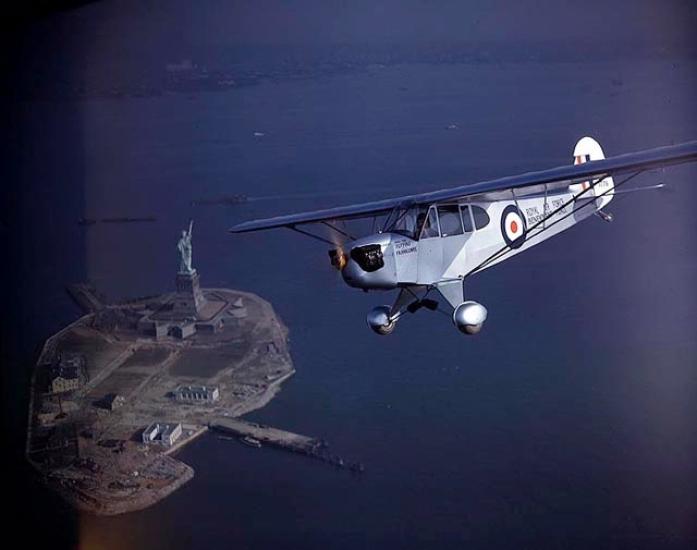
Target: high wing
{"x":529,"y":182}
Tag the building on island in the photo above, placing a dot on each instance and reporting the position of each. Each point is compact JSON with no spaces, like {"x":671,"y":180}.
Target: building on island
{"x":68,"y":374}
{"x":183,"y":330}
{"x":155,"y":329}
{"x":162,"y":433}
{"x":197,"y":394}
{"x":237,"y":309}
{"x":112,"y":401}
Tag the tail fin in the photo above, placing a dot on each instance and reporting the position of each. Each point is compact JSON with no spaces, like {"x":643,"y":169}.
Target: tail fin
{"x":587,"y":149}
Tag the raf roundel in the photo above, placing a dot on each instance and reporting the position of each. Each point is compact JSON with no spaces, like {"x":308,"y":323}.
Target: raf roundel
{"x":513,"y":226}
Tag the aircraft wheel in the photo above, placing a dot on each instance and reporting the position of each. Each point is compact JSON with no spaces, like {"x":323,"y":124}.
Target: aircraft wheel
{"x":469,"y":317}
{"x":380,"y":321}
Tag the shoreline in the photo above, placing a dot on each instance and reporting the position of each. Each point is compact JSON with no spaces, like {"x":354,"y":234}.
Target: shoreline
{"x":99,"y":464}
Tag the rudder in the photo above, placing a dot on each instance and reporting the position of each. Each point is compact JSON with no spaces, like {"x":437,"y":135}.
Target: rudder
{"x":587,"y":149}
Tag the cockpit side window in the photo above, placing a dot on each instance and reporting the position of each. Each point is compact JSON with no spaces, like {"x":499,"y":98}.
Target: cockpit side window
{"x":467,"y":218}
{"x":449,"y":219}
{"x":481,"y":218}
{"x":428,"y":223}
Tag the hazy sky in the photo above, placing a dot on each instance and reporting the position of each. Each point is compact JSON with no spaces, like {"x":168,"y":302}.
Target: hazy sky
{"x":273,"y":21}
{"x":115,"y":42}
{"x":218,"y":23}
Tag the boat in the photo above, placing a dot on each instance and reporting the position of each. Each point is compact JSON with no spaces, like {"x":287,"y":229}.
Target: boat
{"x":224,"y":199}
{"x":250,"y":441}
{"x":127,"y":219}
{"x":120,"y":219}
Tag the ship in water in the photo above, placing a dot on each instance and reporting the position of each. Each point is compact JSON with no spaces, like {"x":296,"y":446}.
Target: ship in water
{"x":118,"y":219}
{"x":223,"y":199}
{"x":250,"y":441}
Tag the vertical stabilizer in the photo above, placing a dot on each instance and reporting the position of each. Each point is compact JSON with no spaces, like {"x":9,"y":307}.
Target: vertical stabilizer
{"x":587,"y":150}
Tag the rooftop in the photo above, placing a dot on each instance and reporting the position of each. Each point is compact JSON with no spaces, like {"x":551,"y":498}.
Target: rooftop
{"x":161,"y":430}
{"x":69,"y":373}
{"x":197,"y":389}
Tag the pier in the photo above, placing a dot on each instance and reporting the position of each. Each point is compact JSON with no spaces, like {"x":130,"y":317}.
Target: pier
{"x":267,"y":435}
{"x":282,"y":439}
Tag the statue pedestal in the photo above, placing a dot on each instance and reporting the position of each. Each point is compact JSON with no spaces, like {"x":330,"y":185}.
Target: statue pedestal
{"x":189,"y":299}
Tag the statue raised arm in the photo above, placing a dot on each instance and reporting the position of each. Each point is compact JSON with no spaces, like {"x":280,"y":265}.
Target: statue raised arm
{"x":185,"y":250}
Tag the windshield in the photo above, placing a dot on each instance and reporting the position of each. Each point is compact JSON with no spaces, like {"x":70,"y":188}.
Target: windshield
{"x":408,"y":222}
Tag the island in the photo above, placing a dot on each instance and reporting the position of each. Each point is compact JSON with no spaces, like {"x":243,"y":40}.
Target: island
{"x":117,"y":392}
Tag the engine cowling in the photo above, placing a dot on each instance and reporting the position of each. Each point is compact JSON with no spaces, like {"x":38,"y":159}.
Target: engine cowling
{"x":469,"y":317}
{"x":380,"y":321}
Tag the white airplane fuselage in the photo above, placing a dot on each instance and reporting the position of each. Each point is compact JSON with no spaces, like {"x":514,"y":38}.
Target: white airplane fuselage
{"x":485,"y":229}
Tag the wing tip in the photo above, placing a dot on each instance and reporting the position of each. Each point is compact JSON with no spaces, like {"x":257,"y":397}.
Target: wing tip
{"x":239,"y":228}
{"x":253,"y":225}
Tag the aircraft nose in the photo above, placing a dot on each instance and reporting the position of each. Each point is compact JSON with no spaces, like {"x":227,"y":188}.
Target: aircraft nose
{"x":367,"y":263}
{"x":369,"y":257}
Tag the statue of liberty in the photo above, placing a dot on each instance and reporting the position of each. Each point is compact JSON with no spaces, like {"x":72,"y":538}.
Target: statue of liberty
{"x":184,"y":247}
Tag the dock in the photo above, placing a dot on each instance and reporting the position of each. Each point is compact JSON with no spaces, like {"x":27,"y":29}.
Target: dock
{"x":282,"y":439}
{"x":267,"y":435}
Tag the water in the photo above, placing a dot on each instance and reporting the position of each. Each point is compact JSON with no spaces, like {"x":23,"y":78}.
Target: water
{"x":569,"y":421}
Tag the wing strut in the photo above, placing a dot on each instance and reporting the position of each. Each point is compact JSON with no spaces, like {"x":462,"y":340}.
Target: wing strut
{"x":318,"y":237}
{"x":341,"y":231}
{"x":311,"y":235}
{"x":507,"y":248}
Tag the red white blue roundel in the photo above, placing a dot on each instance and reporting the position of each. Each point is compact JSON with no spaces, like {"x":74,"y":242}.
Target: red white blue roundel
{"x":513,"y":226}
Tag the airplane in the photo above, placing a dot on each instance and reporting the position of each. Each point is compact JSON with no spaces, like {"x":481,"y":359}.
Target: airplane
{"x":435,"y":241}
